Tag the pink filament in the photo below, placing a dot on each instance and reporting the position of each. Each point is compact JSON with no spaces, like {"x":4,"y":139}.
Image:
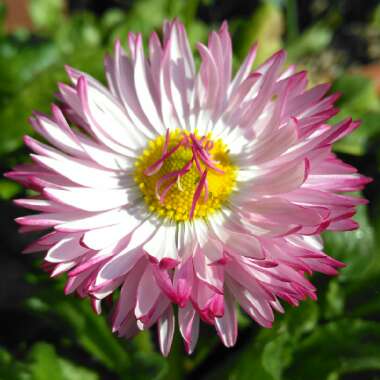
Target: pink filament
{"x":200,"y":149}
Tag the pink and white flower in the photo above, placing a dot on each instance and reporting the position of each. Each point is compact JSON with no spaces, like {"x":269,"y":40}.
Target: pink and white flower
{"x":188,"y":187}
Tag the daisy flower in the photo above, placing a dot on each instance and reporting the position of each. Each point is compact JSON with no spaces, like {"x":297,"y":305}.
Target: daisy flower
{"x":182,"y":194}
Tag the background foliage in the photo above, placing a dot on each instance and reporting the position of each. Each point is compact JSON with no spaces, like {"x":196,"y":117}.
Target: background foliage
{"x":47,"y":336}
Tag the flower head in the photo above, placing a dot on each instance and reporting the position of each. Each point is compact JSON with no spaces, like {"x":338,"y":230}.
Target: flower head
{"x":173,"y":186}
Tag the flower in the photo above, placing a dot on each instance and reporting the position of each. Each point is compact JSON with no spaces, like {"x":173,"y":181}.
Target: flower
{"x":177,"y":187}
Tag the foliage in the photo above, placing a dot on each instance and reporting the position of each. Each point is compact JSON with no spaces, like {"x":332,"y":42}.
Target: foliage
{"x":337,"y":336}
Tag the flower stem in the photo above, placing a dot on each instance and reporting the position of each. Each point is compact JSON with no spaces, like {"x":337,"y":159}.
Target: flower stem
{"x":176,"y":359}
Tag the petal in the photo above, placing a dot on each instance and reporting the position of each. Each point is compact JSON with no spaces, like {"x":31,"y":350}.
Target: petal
{"x":103,"y":237}
{"x":188,"y":321}
{"x":91,"y":199}
{"x":101,"y":219}
{"x":226,"y":326}
{"x":166,"y":325}
{"x":119,"y":265}
{"x":280,"y":180}
{"x":162,"y":245}
{"x":212,"y":275}
{"x":147,"y":295}
{"x":66,"y":249}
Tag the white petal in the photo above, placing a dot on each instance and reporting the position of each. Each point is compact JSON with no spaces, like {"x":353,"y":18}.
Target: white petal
{"x":119,"y":265}
{"x":103,"y":237}
{"x":98,"y":220}
{"x":166,"y":325}
{"x":226,"y":326}
{"x":66,"y":249}
{"x":147,"y":293}
{"x":91,"y":199}
{"x":163,"y":244}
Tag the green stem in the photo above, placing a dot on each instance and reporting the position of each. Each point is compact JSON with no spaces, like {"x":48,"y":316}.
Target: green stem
{"x":176,"y":359}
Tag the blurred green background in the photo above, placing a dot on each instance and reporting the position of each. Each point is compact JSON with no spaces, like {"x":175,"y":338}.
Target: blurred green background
{"x":47,"y":336}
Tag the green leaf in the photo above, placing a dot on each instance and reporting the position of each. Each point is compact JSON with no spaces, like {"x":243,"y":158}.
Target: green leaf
{"x":21,"y":63}
{"x":111,"y":19}
{"x":46,"y":14}
{"x":38,"y":94}
{"x":266,"y":27}
{"x":302,"y":319}
{"x":358,"y":93}
{"x":355,"y":248}
{"x":71,"y":371}
{"x":334,"y":300}
{"x":338,"y":347}
{"x":44,"y":362}
{"x":84,"y":327}
{"x":311,"y":41}
{"x":277,"y":355}
{"x":80,"y":34}
{"x":357,"y":142}
{"x":8,"y":189}
{"x":93,"y":333}
{"x":10,"y":369}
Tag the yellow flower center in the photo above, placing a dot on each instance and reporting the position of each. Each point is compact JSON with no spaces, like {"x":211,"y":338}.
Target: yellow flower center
{"x":184,"y":176}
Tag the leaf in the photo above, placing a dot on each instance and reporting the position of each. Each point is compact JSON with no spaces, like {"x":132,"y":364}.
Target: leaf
{"x":37,"y":95}
{"x":355,"y":248}
{"x":11,"y":369}
{"x":266,"y":27}
{"x":46,"y":14}
{"x":357,"y":142}
{"x":74,"y":372}
{"x":334,"y":300}
{"x":44,"y":362}
{"x":345,"y":346}
{"x":302,"y":319}
{"x":359,"y":101}
{"x":22,"y":62}
{"x":8,"y":189}
{"x":265,"y":354}
{"x":276,"y":356}
{"x":358,"y":92}
{"x":93,"y":333}
{"x":311,"y":41}
{"x":80,"y":34}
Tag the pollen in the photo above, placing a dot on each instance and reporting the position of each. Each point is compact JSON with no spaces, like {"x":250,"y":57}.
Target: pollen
{"x":183,"y":175}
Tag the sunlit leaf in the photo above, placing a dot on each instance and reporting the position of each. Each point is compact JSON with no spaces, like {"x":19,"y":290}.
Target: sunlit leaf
{"x":38,"y":94}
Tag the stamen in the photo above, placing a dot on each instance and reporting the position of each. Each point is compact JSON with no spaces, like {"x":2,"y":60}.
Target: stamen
{"x":196,"y":159}
{"x":154,"y":168}
{"x":209,"y":145}
{"x":198,"y":192}
{"x":193,"y":178}
{"x":204,"y":155}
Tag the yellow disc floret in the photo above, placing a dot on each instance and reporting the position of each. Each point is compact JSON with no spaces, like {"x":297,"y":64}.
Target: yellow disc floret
{"x":184,"y":176}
